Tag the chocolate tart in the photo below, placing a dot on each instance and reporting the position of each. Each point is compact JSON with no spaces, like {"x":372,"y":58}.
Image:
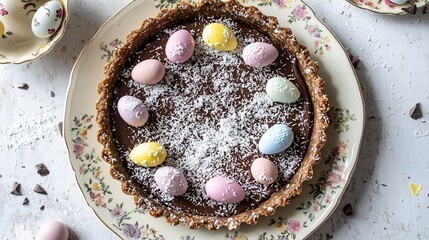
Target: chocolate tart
{"x":210,"y":113}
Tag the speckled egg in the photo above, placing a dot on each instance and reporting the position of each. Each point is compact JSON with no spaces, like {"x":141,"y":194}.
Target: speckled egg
{"x":225,"y":190}
{"x":264,"y":171}
{"x":148,"y":154}
{"x":259,"y":54}
{"x":180,"y":46}
{"x":47,"y":19}
{"x":133,"y":111}
{"x":220,"y":37}
{"x":280,"y":89}
{"x":399,"y":2}
{"x":171,"y":181}
{"x":53,"y":230}
{"x":276,"y":139}
{"x":149,"y":71}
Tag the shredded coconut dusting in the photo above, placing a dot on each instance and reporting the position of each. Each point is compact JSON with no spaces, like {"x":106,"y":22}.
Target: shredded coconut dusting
{"x":210,"y":116}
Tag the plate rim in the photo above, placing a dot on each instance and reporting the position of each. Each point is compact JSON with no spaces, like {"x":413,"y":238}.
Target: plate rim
{"x":401,"y":13}
{"x":355,"y":156}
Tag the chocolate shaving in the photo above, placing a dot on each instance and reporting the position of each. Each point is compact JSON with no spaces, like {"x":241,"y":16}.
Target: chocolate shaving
{"x":425,"y":10}
{"x":24,"y":86}
{"x":60,"y":126}
{"x":416,"y":112}
{"x":411,"y":9}
{"x":52,"y":94}
{"x":16,"y":189}
{"x":42,"y":170}
{"x":355,"y":61}
{"x":40,"y":190}
{"x":25,"y":202}
{"x":42,"y":207}
{"x":348,"y":210}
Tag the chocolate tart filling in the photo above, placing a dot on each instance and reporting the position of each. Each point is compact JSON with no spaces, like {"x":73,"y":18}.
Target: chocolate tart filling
{"x":210,"y":113}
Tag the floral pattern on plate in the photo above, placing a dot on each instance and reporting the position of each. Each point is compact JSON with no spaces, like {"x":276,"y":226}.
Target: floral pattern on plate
{"x":295,"y":221}
{"x":385,"y":6}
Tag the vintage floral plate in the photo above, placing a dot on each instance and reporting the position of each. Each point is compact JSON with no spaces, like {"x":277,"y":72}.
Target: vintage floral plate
{"x":17,"y":41}
{"x":301,"y":217}
{"x":385,"y":6}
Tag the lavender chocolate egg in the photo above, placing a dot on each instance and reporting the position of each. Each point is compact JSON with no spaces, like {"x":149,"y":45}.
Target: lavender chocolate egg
{"x":180,"y":46}
{"x":225,"y":190}
{"x":259,"y":54}
{"x":133,"y":111}
{"x":171,"y":181}
{"x":53,"y":230}
{"x":264,"y":171}
{"x":149,"y":71}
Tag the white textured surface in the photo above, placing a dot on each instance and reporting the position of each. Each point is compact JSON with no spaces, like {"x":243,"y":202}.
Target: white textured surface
{"x":394,"y":76}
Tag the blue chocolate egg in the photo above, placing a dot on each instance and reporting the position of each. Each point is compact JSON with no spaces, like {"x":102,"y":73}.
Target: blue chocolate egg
{"x":276,"y":139}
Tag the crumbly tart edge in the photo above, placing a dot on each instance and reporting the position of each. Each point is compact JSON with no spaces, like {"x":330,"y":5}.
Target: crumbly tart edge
{"x":253,"y":17}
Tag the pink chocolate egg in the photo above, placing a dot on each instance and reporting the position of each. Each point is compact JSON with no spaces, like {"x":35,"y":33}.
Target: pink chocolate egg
{"x":180,"y":46}
{"x":259,"y":54}
{"x":133,"y":111}
{"x":264,"y":171}
{"x":225,"y":190}
{"x":149,"y":71}
{"x":171,"y":181}
{"x":53,"y":230}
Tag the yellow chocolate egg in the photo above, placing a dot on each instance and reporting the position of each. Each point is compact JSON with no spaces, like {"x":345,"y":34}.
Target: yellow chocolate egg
{"x":1,"y":29}
{"x":220,"y":37}
{"x":148,"y":154}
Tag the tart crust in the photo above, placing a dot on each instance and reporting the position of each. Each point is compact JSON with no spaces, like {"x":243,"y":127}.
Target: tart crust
{"x":267,"y":25}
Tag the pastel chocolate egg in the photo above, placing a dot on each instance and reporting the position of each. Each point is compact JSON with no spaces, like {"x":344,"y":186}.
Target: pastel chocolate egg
{"x":280,"y":89}
{"x":133,"y":111}
{"x":264,"y":171}
{"x":399,"y":2}
{"x":259,"y":54}
{"x":220,"y":37}
{"x":276,"y":139}
{"x":225,"y":190}
{"x":149,"y":71}
{"x":148,"y":154}
{"x":180,"y":46}
{"x":47,"y":19}
{"x":171,"y":181}
{"x":53,"y":230}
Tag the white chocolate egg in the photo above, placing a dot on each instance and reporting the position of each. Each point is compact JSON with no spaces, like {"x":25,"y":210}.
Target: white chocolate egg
{"x":53,"y":230}
{"x":171,"y":181}
{"x":47,"y":19}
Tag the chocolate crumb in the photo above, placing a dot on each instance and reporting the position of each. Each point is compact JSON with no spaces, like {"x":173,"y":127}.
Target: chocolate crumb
{"x":416,"y":112}
{"x":355,"y":61}
{"x":348,"y":210}
{"x":25,"y":202}
{"x":16,"y":189}
{"x":60,"y":126}
{"x":329,"y":236}
{"x":24,"y":86}
{"x":52,"y":94}
{"x":425,"y":10}
{"x":42,"y":170}
{"x":40,"y":190}
{"x":411,"y":9}
{"x":42,"y":207}
{"x":384,"y":185}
